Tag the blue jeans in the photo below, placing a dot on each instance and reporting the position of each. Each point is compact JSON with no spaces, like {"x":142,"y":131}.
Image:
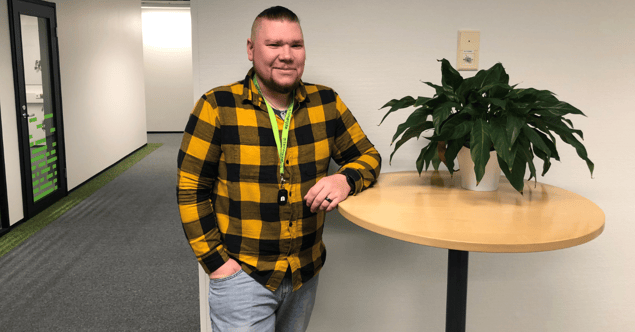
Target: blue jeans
{"x":240,"y":304}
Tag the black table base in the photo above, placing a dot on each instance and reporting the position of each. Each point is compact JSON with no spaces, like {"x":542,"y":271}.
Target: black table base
{"x":457,"y":291}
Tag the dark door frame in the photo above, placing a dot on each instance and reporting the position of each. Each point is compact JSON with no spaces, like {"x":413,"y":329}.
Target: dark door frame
{"x":4,"y":204}
{"x":40,"y":9}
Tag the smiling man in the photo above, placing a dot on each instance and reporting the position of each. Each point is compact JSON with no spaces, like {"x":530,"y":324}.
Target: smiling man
{"x":253,"y":189}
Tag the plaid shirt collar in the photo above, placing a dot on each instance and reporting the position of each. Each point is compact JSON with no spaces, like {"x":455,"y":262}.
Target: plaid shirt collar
{"x":251,"y":95}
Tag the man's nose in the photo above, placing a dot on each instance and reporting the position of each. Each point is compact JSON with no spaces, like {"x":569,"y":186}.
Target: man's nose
{"x":285,"y":53}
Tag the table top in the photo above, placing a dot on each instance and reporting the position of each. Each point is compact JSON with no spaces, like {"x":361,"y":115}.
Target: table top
{"x":433,"y":210}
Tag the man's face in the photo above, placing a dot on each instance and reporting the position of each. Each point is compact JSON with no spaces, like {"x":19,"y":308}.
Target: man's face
{"x":278,"y":55}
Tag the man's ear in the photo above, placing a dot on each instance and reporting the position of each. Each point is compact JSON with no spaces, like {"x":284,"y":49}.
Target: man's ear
{"x":250,"y":49}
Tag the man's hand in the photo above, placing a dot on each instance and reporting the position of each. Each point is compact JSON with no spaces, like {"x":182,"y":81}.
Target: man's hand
{"x":230,"y":267}
{"x":334,"y":187}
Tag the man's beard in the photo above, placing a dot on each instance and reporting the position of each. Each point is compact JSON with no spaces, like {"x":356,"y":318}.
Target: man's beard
{"x":274,"y":86}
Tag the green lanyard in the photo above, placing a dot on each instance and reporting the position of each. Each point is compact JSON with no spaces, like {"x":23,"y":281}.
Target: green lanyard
{"x":282,"y":146}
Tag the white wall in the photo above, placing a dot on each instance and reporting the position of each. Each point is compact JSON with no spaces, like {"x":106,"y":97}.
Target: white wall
{"x":9,"y":121}
{"x":372,"y":51}
{"x":167,"y":53}
{"x":101,"y":60}
{"x":101,"y":68}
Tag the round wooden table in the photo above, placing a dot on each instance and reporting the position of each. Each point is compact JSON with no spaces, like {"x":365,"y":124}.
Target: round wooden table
{"x":433,"y":210}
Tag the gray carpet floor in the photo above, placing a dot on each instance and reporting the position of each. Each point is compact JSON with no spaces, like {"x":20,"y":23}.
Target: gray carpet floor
{"x":118,"y":261}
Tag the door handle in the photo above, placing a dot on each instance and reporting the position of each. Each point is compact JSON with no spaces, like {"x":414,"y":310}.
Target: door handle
{"x":25,"y":115}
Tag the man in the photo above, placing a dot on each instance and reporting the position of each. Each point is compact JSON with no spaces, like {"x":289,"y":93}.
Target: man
{"x":252,"y":185}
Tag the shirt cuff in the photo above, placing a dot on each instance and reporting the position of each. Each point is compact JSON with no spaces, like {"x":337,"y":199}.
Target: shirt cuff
{"x":212,"y":262}
{"x":352,"y":175}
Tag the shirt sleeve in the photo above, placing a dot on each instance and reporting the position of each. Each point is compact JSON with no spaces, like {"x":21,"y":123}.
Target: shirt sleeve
{"x":198,"y":161}
{"x":355,"y":154}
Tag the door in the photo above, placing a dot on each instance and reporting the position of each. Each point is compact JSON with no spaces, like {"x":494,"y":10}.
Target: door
{"x":4,"y":215}
{"x":39,"y":103}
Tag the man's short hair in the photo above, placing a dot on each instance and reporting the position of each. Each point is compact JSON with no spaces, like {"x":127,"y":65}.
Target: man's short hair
{"x":276,"y":13}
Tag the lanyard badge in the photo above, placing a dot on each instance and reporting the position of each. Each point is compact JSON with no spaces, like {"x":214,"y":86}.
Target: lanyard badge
{"x":281,"y":144}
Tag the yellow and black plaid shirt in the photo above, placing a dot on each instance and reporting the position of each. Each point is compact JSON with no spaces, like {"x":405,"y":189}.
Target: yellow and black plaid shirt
{"x":229,"y":178}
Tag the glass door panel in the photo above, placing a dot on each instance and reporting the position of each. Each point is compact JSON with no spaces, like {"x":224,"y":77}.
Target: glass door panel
{"x":39,"y":107}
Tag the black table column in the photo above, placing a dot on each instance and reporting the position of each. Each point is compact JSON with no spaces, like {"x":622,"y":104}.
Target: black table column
{"x":457,"y":291}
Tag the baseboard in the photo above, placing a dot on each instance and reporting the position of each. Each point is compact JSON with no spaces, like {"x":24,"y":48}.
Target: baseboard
{"x":107,"y":168}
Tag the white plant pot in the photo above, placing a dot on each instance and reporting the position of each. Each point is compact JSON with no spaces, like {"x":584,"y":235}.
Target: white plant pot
{"x":468,"y":177}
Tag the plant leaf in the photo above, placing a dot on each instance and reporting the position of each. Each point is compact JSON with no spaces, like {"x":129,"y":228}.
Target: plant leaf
{"x":451,"y":152}
{"x":436,"y":161}
{"x":495,"y":101}
{"x":545,"y":159}
{"x":414,"y":131}
{"x":480,"y":143}
{"x":500,"y":139}
{"x":556,"y":110}
{"x":445,"y":91}
{"x":516,"y":177}
{"x":466,"y":88}
{"x":579,"y":148}
{"x":417,"y":117}
{"x":421,"y":101}
{"x":440,"y":90}
{"x":425,"y":156}
{"x":449,"y":76}
{"x":536,"y":140}
{"x":514,"y":125}
{"x":558,"y":126}
{"x":525,"y":150}
{"x":496,"y":74}
{"x":395,"y":105}
{"x":430,"y":153}
{"x":455,"y":126}
{"x":420,"y":160}
{"x":474,"y":111}
{"x":441,"y":113}
{"x":551,"y":143}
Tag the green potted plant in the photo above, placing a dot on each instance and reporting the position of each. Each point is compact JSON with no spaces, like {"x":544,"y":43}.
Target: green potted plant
{"x":485,"y":113}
